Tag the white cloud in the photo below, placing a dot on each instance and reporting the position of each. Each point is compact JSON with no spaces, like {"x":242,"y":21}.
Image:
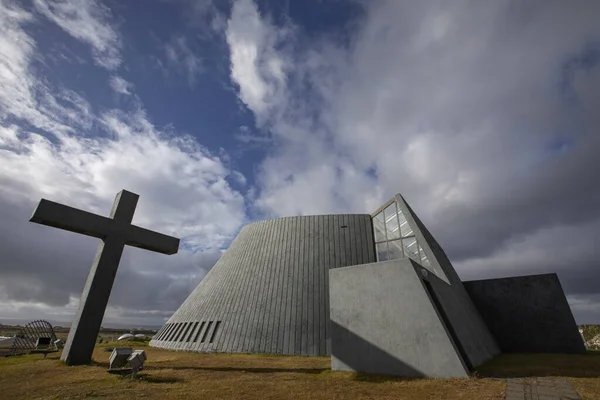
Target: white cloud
{"x":18,"y":97}
{"x":89,"y":22}
{"x":9,"y":135}
{"x":457,"y":106}
{"x":257,"y":66}
{"x":48,"y":153}
{"x":182,"y":59}
{"x":239,"y":178}
{"x":120,"y":85}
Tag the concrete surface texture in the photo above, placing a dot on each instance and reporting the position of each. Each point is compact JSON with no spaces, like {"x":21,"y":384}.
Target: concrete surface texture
{"x":115,"y":232}
{"x":269,"y":292}
{"x":401,"y":318}
{"x":527,"y":314}
{"x":540,"y":389}
{"x":471,"y":334}
{"x":383,"y":321}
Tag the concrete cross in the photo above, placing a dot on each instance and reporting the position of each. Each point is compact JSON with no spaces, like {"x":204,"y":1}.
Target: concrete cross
{"x":115,"y":232}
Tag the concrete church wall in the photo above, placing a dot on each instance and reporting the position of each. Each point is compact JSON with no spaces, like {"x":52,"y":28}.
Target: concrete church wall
{"x":269,"y":292}
{"x":384,"y":322}
{"x":472,"y":333}
{"x":527,"y":314}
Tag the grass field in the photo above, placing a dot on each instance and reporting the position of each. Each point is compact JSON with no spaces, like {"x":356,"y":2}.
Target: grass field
{"x":174,"y":375}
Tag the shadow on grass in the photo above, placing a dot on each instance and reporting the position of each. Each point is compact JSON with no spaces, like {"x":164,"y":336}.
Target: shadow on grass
{"x":363,"y":377}
{"x":159,"y":379}
{"x":150,"y":367}
{"x":529,"y":365}
{"x":241,"y":369}
{"x":102,"y":364}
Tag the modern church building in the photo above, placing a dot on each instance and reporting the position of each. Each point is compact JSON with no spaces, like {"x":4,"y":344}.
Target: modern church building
{"x":375,"y":292}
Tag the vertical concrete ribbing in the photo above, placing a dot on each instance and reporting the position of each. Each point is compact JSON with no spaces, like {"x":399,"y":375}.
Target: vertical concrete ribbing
{"x":241,"y":295}
{"x":308,"y":277}
{"x":159,"y":332}
{"x":249,"y":334}
{"x":219,"y":307}
{"x":281,"y":314}
{"x":268,"y":337}
{"x":270,"y":289}
{"x":316,"y":290}
{"x":354,"y":248}
{"x":230,"y":317}
{"x":369,"y":239}
{"x":326,"y":262}
{"x":243,"y":340}
{"x":263,"y":309}
{"x":271,"y":339}
{"x":290,"y":314}
{"x":258,"y":299}
{"x":220,"y":292}
{"x":298,"y":301}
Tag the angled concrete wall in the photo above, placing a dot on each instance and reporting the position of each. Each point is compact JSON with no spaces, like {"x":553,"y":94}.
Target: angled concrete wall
{"x":269,"y":292}
{"x":527,"y":314}
{"x":385,"y":322}
{"x":472,"y":334}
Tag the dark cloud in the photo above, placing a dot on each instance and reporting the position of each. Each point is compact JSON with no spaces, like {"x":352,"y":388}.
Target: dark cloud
{"x":483,"y":115}
{"x":45,"y":265}
{"x":182,"y":186}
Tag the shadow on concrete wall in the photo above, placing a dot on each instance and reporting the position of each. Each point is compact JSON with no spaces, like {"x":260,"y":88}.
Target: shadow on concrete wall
{"x":364,"y":357}
{"x":527,"y":314}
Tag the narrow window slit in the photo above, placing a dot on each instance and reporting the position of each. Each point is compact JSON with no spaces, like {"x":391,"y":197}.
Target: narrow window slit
{"x":212,"y":337}
{"x":188,"y":325}
{"x":206,"y":332}
{"x":192,"y":331}
{"x":199,"y":330}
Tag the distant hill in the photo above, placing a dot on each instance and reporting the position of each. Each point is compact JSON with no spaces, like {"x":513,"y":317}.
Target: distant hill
{"x":67,"y":324}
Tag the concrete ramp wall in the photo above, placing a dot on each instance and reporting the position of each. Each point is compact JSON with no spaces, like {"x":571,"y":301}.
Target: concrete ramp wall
{"x":527,"y":314}
{"x":383,"y":321}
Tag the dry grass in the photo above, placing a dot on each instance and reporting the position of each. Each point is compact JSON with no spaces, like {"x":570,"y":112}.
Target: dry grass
{"x":171,"y":375}
{"x":174,"y":375}
{"x":582,"y":370}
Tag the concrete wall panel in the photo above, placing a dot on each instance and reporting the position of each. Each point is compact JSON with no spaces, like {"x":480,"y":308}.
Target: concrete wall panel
{"x":472,"y":333}
{"x":383,"y":321}
{"x":527,"y":314}
{"x":269,"y":291}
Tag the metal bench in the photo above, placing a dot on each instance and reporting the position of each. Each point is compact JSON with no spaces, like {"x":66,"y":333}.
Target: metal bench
{"x":45,"y":345}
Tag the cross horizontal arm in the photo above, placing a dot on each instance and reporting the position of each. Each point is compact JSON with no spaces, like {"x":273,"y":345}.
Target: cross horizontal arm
{"x":71,"y":219}
{"x":150,"y":240}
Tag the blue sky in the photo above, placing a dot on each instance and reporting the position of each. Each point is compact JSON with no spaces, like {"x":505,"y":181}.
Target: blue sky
{"x":484,"y":116}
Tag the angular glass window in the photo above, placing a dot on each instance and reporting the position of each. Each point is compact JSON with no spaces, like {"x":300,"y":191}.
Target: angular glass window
{"x":382,"y":251}
{"x":424,"y":260}
{"x":391,"y":222}
{"x":410,"y":248}
{"x":379,"y":227}
{"x":405,"y":228}
{"x":395,"y":249}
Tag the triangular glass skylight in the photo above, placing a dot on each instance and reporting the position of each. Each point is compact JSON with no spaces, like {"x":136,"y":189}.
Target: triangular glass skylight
{"x":395,"y":238}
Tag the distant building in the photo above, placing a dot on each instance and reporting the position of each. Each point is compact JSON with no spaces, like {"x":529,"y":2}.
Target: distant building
{"x":376,"y":292}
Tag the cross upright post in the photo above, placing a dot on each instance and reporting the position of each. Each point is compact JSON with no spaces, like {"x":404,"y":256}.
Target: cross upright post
{"x":115,"y":232}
